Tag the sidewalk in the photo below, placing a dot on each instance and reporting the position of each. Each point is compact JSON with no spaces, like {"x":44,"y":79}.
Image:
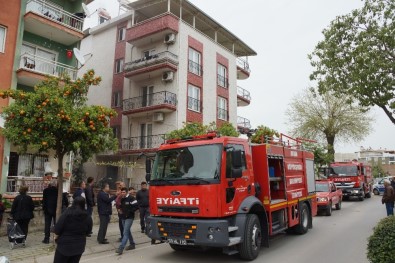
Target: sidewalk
{"x":35,"y":251}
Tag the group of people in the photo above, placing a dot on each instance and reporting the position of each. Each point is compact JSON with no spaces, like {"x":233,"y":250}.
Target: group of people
{"x":389,"y":196}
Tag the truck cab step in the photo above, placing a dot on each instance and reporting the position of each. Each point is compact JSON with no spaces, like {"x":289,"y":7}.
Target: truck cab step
{"x":234,"y":241}
{"x":232,"y":228}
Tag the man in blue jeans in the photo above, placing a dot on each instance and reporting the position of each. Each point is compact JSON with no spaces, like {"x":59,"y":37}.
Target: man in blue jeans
{"x":128,"y":208}
{"x":388,"y":197}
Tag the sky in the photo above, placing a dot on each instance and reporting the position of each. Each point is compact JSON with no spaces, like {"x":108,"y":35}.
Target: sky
{"x":283,"y":33}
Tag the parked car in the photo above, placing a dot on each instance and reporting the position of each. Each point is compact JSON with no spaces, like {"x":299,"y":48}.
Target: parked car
{"x":328,"y":196}
{"x":378,"y":187}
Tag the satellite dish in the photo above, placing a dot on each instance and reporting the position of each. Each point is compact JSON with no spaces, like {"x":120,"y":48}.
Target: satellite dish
{"x":79,"y":56}
{"x":86,"y":10}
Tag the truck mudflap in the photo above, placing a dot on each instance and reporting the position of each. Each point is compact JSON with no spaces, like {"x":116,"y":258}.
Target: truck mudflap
{"x":191,"y":232}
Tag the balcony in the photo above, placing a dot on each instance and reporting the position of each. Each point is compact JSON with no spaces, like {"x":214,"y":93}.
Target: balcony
{"x":163,"y":101}
{"x":243,"y":123}
{"x":51,"y":22}
{"x":142,"y":143}
{"x":222,"y":81}
{"x":243,"y":69}
{"x":156,"y":28}
{"x":243,"y":97}
{"x":152,"y":65}
{"x":34,"y":69}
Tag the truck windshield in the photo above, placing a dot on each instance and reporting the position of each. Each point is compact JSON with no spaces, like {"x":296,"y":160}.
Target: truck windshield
{"x":321,"y":187}
{"x":344,"y":171}
{"x":188,"y":165}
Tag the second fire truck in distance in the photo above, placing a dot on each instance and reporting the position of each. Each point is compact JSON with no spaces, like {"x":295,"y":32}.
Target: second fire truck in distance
{"x":212,"y":191}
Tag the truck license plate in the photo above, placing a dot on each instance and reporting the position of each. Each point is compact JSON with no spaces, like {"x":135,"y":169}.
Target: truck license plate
{"x":181,"y":242}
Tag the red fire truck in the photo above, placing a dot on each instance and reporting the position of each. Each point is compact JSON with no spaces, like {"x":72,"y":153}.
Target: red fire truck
{"x":353,"y":178}
{"x":212,"y":191}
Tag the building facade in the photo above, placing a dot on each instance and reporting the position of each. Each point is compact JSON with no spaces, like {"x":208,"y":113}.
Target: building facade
{"x":163,"y":64}
{"x":37,"y":39}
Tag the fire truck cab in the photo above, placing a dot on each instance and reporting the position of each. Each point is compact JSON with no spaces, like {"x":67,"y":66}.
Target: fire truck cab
{"x":212,"y":191}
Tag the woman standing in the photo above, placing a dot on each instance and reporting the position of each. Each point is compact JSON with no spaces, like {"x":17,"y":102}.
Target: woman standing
{"x":71,"y":230}
{"x":22,"y":209}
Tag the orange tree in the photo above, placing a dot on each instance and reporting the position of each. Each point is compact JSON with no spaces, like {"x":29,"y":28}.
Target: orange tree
{"x":56,"y":117}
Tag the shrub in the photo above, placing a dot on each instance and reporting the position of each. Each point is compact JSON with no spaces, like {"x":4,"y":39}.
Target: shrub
{"x":381,"y":244}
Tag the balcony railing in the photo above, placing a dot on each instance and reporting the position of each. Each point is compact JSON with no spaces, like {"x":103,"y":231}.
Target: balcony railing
{"x":243,"y":122}
{"x":222,"y":81}
{"x":142,"y":142}
{"x":243,"y":93}
{"x":222,"y":114}
{"x":56,"y":14}
{"x":193,"y":104}
{"x":158,"y":98}
{"x":35,"y":184}
{"x":46,"y":66}
{"x":146,"y":61}
{"x":241,"y":63}
{"x":195,"y":68}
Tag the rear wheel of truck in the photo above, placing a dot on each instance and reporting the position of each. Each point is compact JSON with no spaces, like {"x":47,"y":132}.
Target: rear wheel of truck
{"x":305,"y":218}
{"x":328,"y":211}
{"x":339,"y":205}
{"x":249,"y":248}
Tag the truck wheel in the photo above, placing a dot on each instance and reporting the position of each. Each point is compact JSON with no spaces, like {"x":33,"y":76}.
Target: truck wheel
{"x":249,"y":248}
{"x":339,"y":205}
{"x":305,"y":218}
{"x":329,"y":209}
{"x":361,"y":198}
{"x":376,"y":192}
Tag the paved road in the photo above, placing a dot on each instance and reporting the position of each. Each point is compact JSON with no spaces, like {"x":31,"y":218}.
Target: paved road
{"x":341,"y":238}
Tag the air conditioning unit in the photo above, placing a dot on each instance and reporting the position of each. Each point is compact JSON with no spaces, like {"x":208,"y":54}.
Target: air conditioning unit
{"x":168,"y":76}
{"x":170,"y":38}
{"x":158,"y":117}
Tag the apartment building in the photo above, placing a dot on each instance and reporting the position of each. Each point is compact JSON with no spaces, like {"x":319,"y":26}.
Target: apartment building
{"x":163,"y":63}
{"x":37,"y":38}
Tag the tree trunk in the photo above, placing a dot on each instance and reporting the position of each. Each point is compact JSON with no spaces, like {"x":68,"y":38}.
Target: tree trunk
{"x":60,"y":186}
{"x":331,"y":149}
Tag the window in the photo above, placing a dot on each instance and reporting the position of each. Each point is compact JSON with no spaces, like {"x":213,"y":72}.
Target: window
{"x":232,"y":147}
{"x":148,"y":54}
{"x":222,"y":109}
{"x":194,"y":64}
{"x":118,"y":66}
{"x":121,"y":34}
{"x":193,"y":98}
{"x":145,"y":135}
{"x":3,"y":34}
{"x":38,"y":59}
{"x":116,"y":132}
{"x":116,"y":99}
{"x":102,"y":19}
{"x":147,"y":98}
{"x":222,"y":80}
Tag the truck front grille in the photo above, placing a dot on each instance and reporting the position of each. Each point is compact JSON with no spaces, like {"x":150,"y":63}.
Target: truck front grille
{"x":177,"y":230}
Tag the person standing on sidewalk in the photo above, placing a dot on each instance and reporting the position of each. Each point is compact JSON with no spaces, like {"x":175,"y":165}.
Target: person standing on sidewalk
{"x":50,"y":197}
{"x":80,"y":191}
{"x":90,"y":197}
{"x":118,"y":207}
{"x":104,"y":208}
{"x":71,"y":230}
{"x":388,"y":197}
{"x":129,"y":207}
{"x":22,"y":209}
{"x":143,"y":202}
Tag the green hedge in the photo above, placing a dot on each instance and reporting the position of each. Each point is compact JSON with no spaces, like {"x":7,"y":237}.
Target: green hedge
{"x":381,"y":245}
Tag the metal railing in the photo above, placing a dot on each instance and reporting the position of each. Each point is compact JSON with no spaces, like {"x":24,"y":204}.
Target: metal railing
{"x":158,"y":98}
{"x":241,"y":63}
{"x":243,"y":122}
{"x":195,"y":68}
{"x":222,"y":81}
{"x":193,"y":104}
{"x":57,"y":14}
{"x":46,"y":66}
{"x":222,"y":114}
{"x":143,"y":142}
{"x":243,"y":93}
{"x":160,"y":57}
{"x":35,"y":184}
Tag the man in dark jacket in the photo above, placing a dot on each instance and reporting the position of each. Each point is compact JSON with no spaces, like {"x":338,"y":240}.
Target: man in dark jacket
{"x":128,"y":207}
{"x":50,"y":197}
{"x":22,"y":209}
{"x":80,"y":191}
{"x":143,"y":202}
{"x":104,"y":209}
{"x":90,"y":196}
{"x":388,"y":197}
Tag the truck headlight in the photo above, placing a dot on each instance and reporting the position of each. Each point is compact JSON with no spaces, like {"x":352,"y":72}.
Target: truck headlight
{"x":322,"y":199}
{"x":355,"y":191}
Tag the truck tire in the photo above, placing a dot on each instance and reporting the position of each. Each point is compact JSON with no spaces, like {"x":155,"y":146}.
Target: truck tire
{"x":329,"y":209}
{"x":339,"y":205}
{"x":305,"y":218}
{"x":249,"y":248}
